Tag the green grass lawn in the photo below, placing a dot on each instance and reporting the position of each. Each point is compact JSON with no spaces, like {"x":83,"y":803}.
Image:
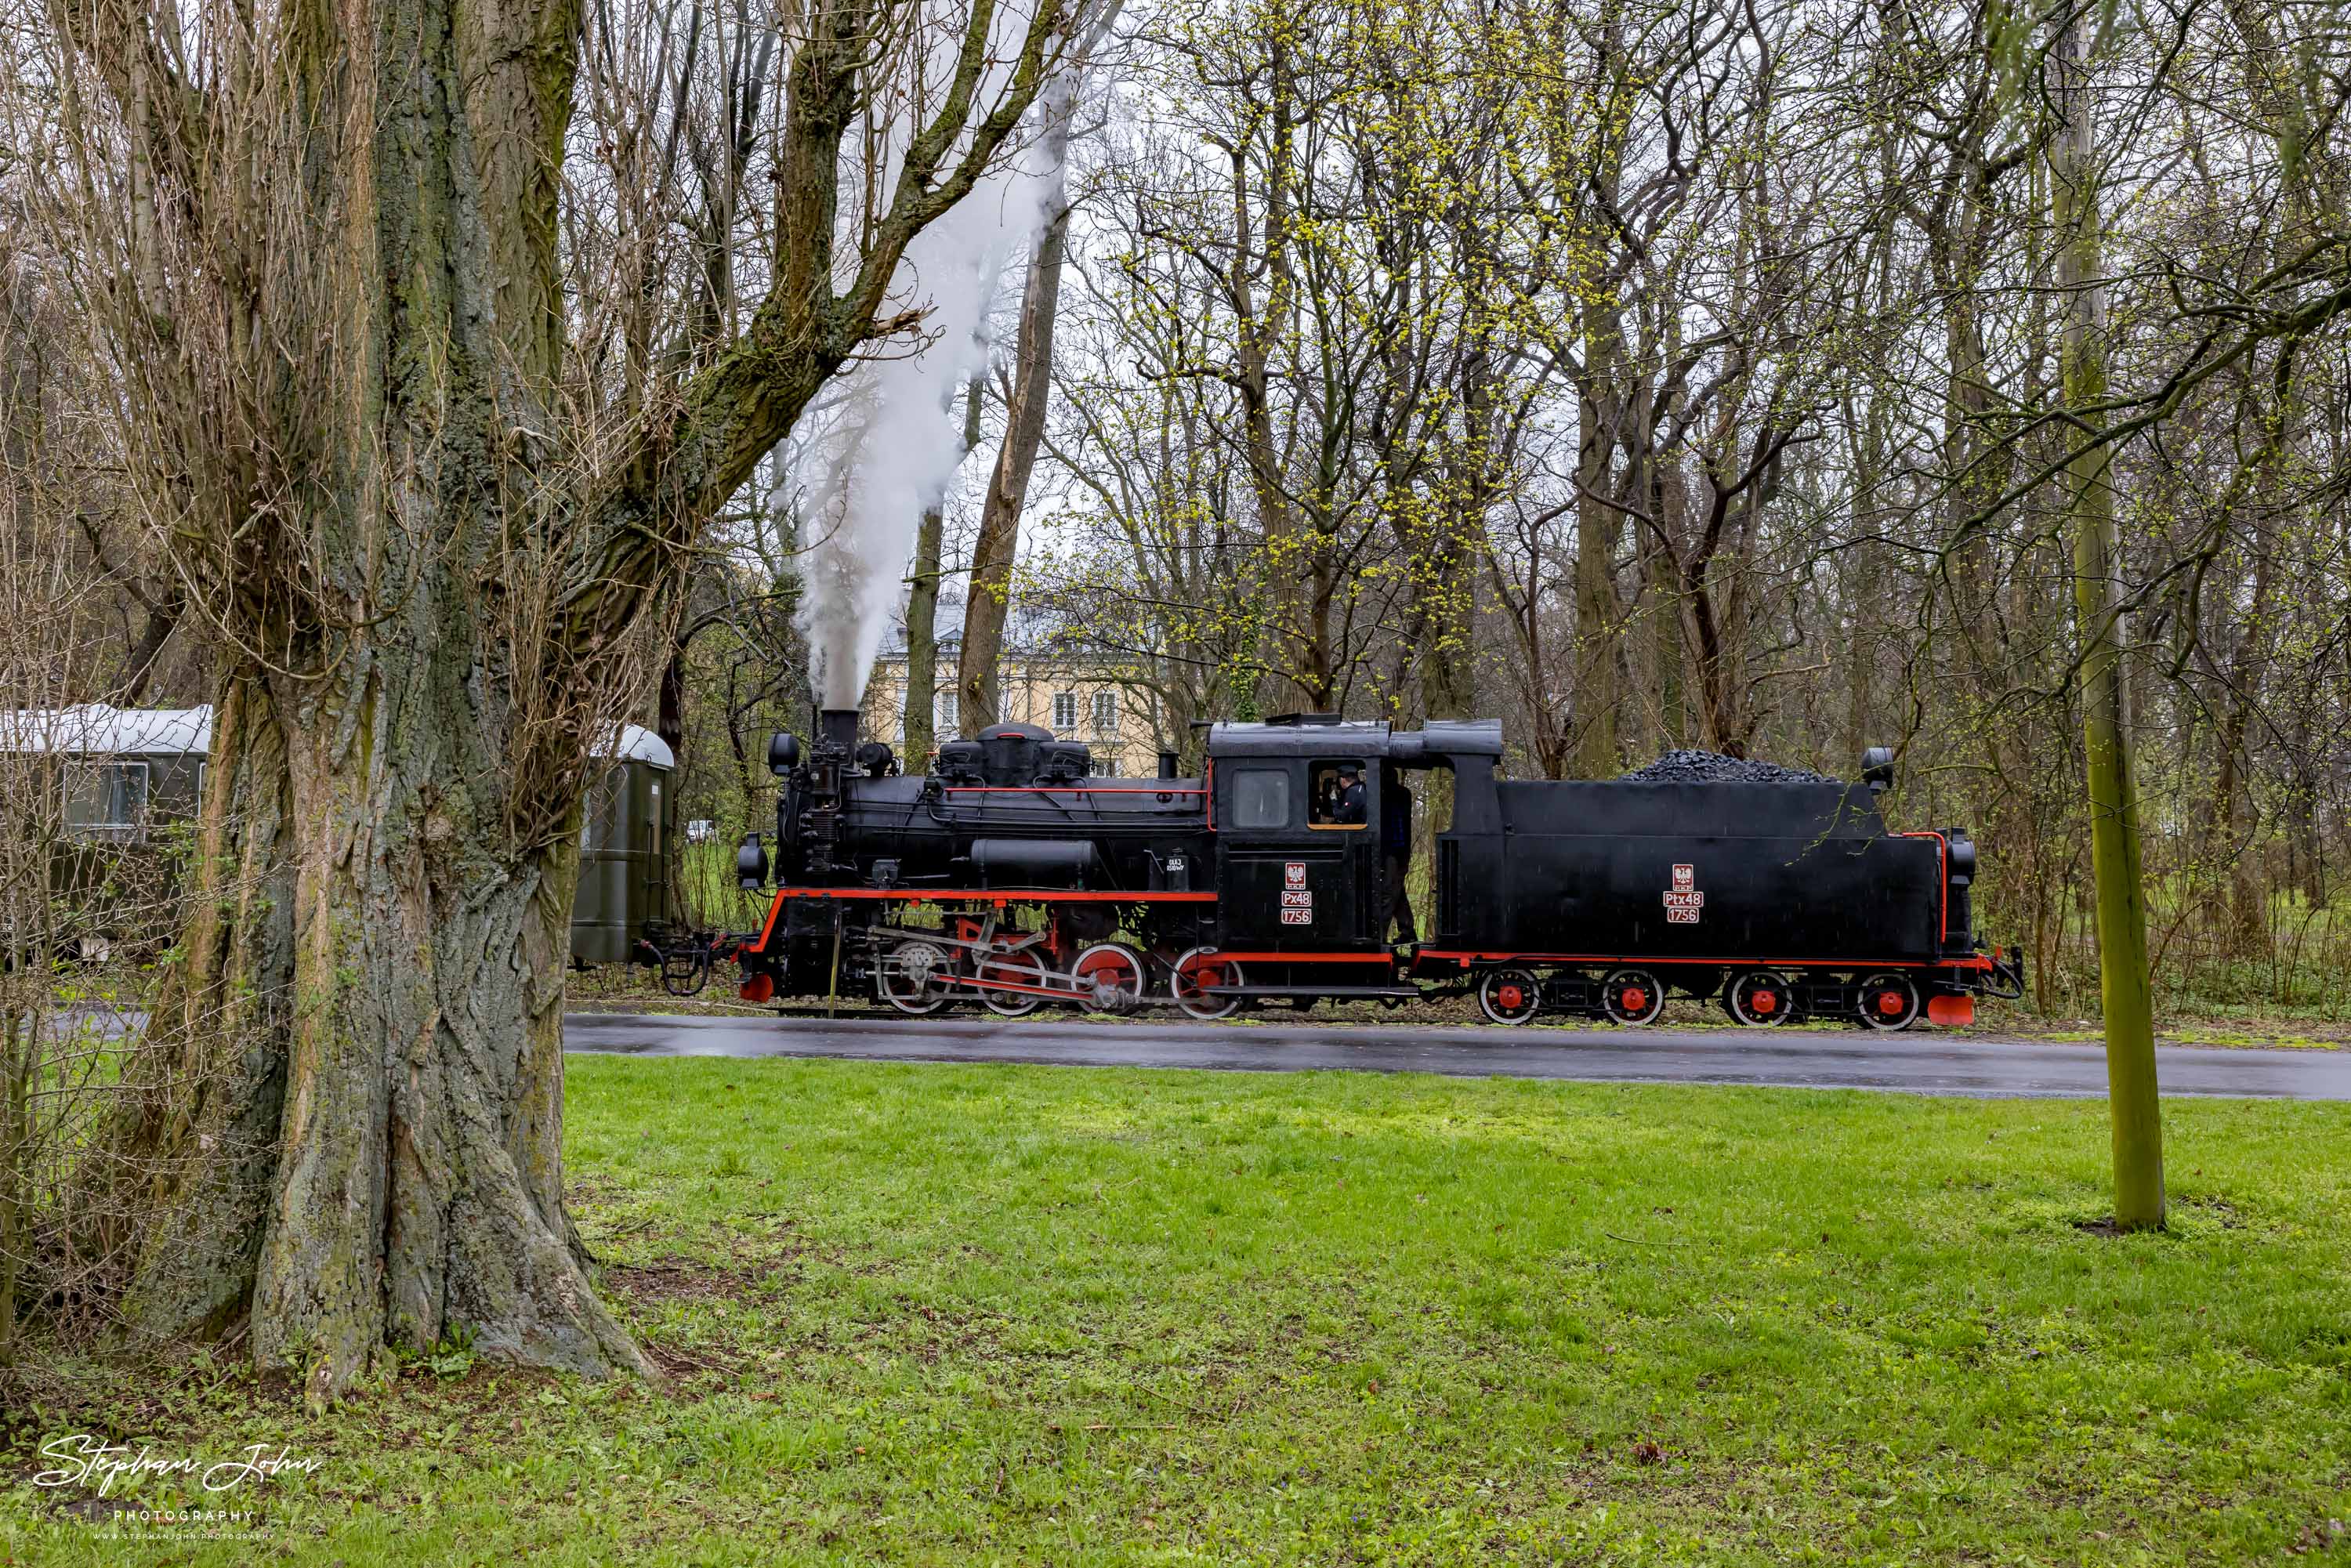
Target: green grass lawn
{"x":1042,"y":1315}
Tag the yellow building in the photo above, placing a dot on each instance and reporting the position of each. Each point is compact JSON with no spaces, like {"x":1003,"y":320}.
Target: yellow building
{"x":1075,"y":698}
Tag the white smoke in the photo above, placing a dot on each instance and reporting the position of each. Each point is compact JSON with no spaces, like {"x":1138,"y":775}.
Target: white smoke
{"x":897,"y":440}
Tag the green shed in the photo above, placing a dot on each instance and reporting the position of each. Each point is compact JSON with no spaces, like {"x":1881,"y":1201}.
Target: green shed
{"x":124,"y":775}
{"x":626,"y":837}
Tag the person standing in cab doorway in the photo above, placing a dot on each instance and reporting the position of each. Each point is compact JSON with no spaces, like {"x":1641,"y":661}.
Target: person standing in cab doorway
{"x":1395,"y":847}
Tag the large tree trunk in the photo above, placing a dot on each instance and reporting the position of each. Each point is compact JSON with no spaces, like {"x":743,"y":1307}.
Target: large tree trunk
{"x":370,"y":1003}
{"x":371,"y":1007}
{"x":1287,"y":653}
{"x":430,"y":589}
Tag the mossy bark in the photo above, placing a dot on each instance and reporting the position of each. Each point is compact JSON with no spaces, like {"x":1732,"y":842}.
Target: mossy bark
{"x":354,"y":1140}
{"x":432,"y":575}
{"x":368,"y":1152}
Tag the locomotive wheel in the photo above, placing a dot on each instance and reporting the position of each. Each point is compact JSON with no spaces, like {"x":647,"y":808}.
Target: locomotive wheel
{"x":1760,"y":999}
{"x":1111,"y":977}
{"x":911,"y":977}
{"x":1195,"y":971}
{"x":1510,"y":997}
{"x":1889,"y":1002}
{"x":1014,"y":968}
{"x":1633,"y":998}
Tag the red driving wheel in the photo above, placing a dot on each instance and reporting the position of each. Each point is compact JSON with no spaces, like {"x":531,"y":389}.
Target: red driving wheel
{"x":1888,"y":1001}
{"x":1509,"y":995}
{"x":1633,"y":998}
{"x":1760,"y":1000}
{"x":1109,"y":978}
{"x":1198,"y":971}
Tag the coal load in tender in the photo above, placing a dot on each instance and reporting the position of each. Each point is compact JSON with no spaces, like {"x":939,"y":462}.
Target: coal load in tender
{"x":1691,"y":767}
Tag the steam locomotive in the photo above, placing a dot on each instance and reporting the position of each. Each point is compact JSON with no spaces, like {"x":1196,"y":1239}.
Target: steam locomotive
{"x":1012,"y":878}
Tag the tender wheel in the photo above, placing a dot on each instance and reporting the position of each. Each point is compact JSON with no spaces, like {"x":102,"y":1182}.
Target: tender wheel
{"x":1633,"y":998}
{"x":912,"y":977}
{"x":1013,"y":969}
{"x":1760,"y":999}
{"x":1195,"y":971}
{"x":1889,"y":1002}
{"x":1510,"y":997}
{"x":1111,"y":977}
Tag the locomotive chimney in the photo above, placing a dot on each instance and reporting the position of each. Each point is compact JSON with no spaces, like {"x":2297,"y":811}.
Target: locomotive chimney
{"x":838,"y":726}
{"x":1167,"y":765}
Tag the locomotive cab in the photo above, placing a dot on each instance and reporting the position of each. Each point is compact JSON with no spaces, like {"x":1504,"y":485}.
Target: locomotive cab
{"x":1313,"y":827}
{"x":1297,"y":846}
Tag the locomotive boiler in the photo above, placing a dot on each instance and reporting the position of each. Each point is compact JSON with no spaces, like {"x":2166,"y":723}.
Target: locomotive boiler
{"x":1011,"y":877}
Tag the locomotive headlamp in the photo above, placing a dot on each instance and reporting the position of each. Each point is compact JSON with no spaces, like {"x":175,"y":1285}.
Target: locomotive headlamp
{"x":1877,"y":769}
{"x":783,"y":752}
{"x":751,"y":859}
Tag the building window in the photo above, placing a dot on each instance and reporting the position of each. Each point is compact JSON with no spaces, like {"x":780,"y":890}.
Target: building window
{"x":947,"y":706}
{"x":106,"y":799}
{"x":1065,"y":710}
{"x":1105,"y":713}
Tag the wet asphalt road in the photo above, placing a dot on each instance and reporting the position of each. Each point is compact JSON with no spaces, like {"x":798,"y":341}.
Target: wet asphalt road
{"x":1920,"y":1061}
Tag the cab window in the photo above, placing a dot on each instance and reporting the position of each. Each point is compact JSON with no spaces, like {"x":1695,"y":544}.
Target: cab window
{"x":1260,"y":798}
{"x":1337,"y":794}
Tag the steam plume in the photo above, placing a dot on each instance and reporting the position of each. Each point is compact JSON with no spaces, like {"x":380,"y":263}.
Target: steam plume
{"x":897,"y":442}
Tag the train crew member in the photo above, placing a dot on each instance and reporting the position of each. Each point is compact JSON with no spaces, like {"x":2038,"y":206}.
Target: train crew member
{"x":1396,"y":846}
{"x":1348,"y":809}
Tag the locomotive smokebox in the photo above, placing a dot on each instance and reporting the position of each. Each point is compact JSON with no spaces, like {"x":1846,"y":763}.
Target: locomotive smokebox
{"x":838,"y":726}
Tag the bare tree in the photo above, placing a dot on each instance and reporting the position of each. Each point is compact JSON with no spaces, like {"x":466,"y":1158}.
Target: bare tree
{"x":431,"y":552}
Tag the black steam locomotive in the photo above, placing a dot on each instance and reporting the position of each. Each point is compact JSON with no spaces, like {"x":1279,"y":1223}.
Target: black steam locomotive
{"x":1011,"y":878}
